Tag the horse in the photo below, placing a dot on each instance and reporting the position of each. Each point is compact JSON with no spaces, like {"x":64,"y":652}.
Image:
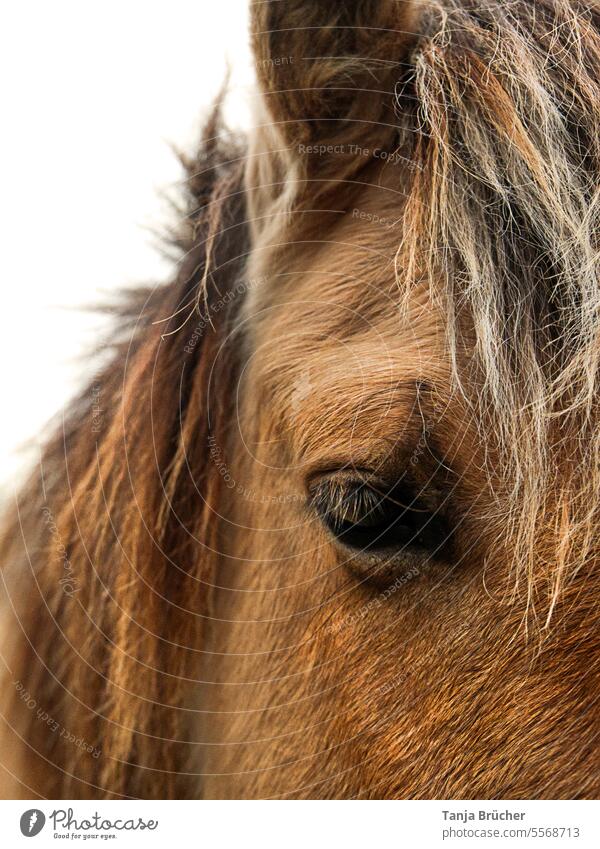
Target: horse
{"x":325,"y":525}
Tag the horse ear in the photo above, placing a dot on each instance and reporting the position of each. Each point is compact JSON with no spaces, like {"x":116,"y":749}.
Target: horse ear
{"x":328,"y":73}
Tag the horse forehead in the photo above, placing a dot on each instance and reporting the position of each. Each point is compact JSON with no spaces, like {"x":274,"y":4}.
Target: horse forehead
{"x":338,"y":322}
{"x":326,"y":318}
{"x":341,"y":360}
{"x":342,"y":256}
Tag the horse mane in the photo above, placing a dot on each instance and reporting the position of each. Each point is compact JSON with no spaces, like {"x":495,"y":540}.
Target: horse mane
{"x":112,"y":532}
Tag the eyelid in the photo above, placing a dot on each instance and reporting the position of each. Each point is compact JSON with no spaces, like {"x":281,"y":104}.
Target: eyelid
{"x":406,"y":524}
{"x":352,"y":474}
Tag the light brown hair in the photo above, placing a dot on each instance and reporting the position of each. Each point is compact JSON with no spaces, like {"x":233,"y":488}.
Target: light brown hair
{"x":491,"y":263}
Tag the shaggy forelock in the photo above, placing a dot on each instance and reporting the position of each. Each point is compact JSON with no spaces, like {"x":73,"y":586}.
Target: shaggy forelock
{"x":505,"y":208}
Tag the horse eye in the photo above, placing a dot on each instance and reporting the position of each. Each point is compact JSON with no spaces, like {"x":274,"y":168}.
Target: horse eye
{"x":374,"y":520}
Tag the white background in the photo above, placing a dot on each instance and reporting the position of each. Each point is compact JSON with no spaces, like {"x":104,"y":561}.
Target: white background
{"x":93,"y":96}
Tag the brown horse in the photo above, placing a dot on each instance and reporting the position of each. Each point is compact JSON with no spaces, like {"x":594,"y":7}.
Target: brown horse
{"x":327,"y":524}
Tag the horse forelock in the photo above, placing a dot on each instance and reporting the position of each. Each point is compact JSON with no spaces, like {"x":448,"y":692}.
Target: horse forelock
{"x":506,"y":207}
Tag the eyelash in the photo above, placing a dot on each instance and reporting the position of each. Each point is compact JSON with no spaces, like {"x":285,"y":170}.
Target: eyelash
{"x":361,"y":517}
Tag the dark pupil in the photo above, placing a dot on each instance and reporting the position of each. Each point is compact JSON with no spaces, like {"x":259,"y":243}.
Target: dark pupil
{"x":365,"y":519}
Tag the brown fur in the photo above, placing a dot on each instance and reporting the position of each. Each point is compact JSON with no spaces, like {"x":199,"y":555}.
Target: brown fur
{"x":425,"y":310}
